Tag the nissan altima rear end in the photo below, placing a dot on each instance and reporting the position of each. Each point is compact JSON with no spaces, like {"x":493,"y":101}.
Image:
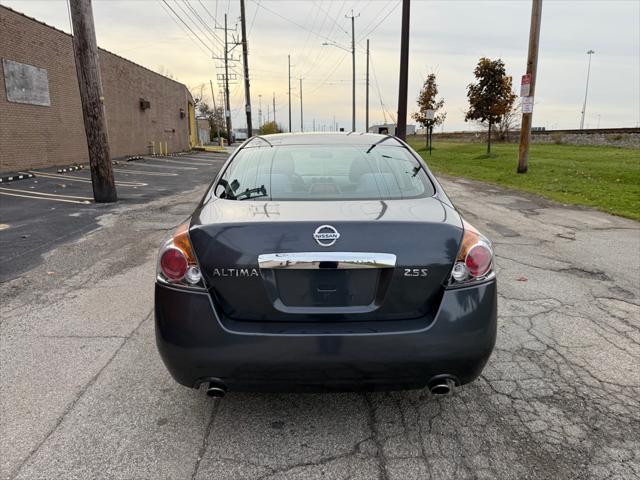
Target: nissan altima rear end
{"x":325,"y":262}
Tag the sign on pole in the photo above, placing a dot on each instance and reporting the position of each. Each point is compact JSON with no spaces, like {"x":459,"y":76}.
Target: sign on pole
{"x":430,"y":114}
{"x":525,"y":85}
{"x":527,"y":104}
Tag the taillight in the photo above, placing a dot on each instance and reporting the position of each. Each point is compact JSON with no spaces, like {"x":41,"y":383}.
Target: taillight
{"x":177,"y":262}
{"x":475,"y":258}
{"x":173,"y":263}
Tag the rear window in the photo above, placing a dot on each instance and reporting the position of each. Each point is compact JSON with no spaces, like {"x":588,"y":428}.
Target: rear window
{"x":324,"y":173}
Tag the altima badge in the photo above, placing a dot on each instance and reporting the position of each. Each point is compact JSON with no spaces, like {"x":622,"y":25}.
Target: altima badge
{"x":326,"y":235}
{"x":235,"y":272}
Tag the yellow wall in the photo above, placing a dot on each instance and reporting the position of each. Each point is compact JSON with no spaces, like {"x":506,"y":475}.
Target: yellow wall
{"x":193,"y":131}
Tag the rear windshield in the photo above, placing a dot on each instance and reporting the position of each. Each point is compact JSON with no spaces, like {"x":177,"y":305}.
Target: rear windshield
{"x":324,"y":173}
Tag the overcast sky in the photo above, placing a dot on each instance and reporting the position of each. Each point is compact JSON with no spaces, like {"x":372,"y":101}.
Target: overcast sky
{"x":447,"y":38}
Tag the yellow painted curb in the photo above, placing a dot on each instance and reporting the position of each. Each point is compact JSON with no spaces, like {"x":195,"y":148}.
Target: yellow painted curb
{"x":209,"y":149}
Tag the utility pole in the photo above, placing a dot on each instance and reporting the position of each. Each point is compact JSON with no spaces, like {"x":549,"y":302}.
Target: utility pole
{"x":259,"y":111}
{"x":532,"y":73}
{"x":586,"y":90}
{"x":401,"y":128}
{"x":366,"y":110}
{"x":289,"y":62}
{"x":85,"y":51}
{"x":274,"y":108}
{"x":353,"y":69}
{"x":224,"y":78}
{"x":245,"y":58}
{"x":227,"y":104}
{"x":215,"y":113}
{"x":301,"y":116}
{"x":268,"y":113}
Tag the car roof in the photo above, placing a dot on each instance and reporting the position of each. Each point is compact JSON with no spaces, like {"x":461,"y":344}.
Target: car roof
{"x":322,"y":138}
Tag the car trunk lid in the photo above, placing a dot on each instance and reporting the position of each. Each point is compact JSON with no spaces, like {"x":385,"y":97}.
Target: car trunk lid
{"x":264,"y":261}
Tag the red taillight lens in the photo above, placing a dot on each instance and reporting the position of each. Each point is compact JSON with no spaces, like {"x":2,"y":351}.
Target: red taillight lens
{"x":177,"y":262}
{"x":478,"y":260}
{"x":475,"y":258}
{"x":174,"y":264}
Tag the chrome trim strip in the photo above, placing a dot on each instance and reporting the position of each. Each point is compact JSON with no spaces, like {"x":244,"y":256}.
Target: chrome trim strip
{"x":317,"y":260}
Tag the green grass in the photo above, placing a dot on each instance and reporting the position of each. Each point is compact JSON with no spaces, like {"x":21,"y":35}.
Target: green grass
{"x":606,"y":178}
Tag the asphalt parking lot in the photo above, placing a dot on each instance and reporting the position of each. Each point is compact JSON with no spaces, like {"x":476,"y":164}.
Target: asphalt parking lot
{"x":53,"y":206}
{"x":85,"y":395}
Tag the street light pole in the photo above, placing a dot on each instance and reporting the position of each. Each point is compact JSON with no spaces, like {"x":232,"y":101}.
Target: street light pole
{"x":586,"y":90}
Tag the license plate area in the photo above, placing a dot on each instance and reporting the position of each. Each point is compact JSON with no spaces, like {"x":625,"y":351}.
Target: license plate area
{"x":327,"y":287}
{"x":333,"y":283}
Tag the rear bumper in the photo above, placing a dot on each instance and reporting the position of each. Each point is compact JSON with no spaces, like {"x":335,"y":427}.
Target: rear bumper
{"x":196,"y":346}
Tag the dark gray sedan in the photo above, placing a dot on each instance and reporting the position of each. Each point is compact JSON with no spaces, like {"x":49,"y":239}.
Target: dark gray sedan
{"x":325,"y":262}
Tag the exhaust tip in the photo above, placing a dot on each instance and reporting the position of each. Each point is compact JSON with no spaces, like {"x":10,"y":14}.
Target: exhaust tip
{"x":215,"y":390}
{"x":442,"y":385}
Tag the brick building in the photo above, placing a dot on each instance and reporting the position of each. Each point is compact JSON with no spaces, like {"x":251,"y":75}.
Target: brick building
{"x":40,"y":113}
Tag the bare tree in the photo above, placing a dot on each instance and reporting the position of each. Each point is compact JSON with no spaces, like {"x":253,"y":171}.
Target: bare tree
{"x":510,"y":121}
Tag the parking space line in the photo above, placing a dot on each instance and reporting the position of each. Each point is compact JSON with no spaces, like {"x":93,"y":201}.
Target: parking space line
{"x":73,"y":178}
{"x":207,"y":161}
{"x":51,"y":199}
{"x":168,"y":166}
{"x":140,"y":172}
{"x":33,"y":192}
{"x":178,"y":162}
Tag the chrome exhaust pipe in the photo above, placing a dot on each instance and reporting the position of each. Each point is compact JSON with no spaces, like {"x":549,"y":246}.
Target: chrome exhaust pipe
{"x":216,"y":390}
{"x":442,"y":385}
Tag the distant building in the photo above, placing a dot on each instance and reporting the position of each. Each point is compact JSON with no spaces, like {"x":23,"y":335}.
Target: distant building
{"x":41,"y":121}
{"x":390,"y":129}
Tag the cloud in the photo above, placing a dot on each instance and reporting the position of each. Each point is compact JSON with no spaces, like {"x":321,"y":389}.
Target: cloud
{"x":447,"y":37}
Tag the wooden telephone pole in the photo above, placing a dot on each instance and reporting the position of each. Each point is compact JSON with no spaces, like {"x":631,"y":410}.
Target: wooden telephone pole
{"x":227,"y":105}
{"x":245,"y":57}
{"x":401,"y":129}
{"x":85,"y":50}
{"x":289,"y":63}
{"x":301,"y":114}
{"x":353,"y":69}
{"x":532,"y":69}
{"x":366,"y":110}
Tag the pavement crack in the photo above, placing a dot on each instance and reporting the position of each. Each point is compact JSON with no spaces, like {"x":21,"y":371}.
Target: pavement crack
{"x":322,"y":461}
{"x":77,"y":398}
{"x":205,"y":438}
{"x":375,"y":436}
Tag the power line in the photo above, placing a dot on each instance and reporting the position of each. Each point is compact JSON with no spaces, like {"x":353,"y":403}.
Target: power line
{"x":206,"y":31}
{"x":205,"y":24}
{"x":384,"y":109}
{"x":293,"y":22}
{"x":215,"y":22}
{"x":320,"y":57}
{"x":188,"y":27}
{"x":368,"y":34}
{"x":255,"y":14}
{"x":323,"y":82}
{"x":330,"y":18}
